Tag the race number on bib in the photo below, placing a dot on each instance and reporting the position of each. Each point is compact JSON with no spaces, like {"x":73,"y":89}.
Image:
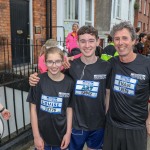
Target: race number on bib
{"x":125,"y":85}
{"x":87,"y":88}
{"x":51,"y":104}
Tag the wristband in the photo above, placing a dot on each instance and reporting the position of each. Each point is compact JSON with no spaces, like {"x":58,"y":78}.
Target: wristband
{"x":2,"y":110}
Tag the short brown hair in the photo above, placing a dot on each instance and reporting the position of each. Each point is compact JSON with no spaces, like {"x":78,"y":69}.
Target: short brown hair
{"x":88,"y":30}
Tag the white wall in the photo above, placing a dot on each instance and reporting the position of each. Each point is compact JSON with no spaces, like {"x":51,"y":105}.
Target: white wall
{"x":124,"y":12}
{"x":61,"y":13}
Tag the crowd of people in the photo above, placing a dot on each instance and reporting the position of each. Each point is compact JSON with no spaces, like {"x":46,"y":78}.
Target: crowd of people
{"x":100,"y":99}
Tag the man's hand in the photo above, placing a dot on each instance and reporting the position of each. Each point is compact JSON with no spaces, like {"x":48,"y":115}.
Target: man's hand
{"x":6,"y":114}
{"x":33,"y":79}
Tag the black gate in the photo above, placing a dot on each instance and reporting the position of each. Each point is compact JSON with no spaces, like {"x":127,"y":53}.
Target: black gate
{"x":19,"y":12}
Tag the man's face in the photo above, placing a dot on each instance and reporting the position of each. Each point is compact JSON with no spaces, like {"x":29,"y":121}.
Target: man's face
{"x":87,"y":44}
{"x":123,"y":42}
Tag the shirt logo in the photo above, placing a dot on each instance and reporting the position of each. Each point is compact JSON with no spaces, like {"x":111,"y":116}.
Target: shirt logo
{"x":138,"y":76}
{"x":100,"y":76}
{"x":66,"y":95}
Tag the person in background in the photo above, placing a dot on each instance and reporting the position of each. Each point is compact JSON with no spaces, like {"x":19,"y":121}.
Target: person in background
{"x":140,"y":44}
{"x":4,"y":112}
{"x":137,"y":30}
{"x":72,"y":44}
{"x":51,"y":107}
{"x":128,"y":117}
{"x":99,"y":49}
{"x":146,"y":50}
{"x":109,"y":51}
{"x":41,"y":60}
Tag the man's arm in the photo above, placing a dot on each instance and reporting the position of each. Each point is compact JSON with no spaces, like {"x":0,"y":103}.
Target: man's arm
{"x":148,"y":122}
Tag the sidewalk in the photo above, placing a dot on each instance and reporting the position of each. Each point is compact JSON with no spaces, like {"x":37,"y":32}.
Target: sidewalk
{"x":148,"y":145}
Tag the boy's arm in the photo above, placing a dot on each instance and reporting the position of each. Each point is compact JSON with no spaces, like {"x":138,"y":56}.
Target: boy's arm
{"x":66,"y":139}
{"x":38,"y":141}
{"x":33,"y":79}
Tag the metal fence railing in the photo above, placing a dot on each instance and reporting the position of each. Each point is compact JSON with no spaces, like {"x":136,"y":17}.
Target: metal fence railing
{"x":14,"y":86}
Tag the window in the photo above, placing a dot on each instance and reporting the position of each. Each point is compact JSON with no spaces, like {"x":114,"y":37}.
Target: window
{"x":129,"y":11}
{"x":88,"y":12}
{"x":71,"y":9}
{"x":140,"y":5}
{"x":118,"y":8}
{"x":114,"y":8}
{"x":140,"y":24}
{"x":145,"y":7}
{"x":144,"y":27}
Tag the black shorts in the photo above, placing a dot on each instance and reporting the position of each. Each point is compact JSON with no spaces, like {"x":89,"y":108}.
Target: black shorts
{"x":124,"y":139}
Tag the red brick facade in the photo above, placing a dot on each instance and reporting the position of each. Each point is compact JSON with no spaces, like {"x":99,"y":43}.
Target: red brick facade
{"x":39,"y":20}
{"x":142,"y":15}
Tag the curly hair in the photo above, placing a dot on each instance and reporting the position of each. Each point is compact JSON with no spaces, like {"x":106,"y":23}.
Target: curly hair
{"x":124,"y":25}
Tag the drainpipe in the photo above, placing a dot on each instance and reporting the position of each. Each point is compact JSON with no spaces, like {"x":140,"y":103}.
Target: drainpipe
{"x":48,"y":19}
{"x":31,"y":29}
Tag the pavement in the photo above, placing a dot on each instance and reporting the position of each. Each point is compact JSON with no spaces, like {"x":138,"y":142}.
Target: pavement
{"x":148,"y":145}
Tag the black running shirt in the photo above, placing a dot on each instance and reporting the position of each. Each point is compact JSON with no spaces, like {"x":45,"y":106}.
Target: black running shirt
{"x":130,"y":87}
{"x":89,"y":94}
{"x":51,"y":99}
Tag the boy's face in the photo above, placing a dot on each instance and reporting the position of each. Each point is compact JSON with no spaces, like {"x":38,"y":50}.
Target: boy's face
{"x":87,"y":44}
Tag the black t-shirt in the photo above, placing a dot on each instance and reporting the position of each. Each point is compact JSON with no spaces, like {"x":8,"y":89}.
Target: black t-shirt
{"x":52,"y":99}
{"x":139,"y":47}
{"x":89,"y":94}
{"x":130,"y":87}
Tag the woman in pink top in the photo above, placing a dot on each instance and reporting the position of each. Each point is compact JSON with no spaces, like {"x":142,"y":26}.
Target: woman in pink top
{"x":71,"y":42}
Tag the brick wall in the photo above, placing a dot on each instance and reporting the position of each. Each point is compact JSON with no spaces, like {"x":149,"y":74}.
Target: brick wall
{"x":39,"y":20}
{"x":4,"y":33}
{"x":143,"y":18}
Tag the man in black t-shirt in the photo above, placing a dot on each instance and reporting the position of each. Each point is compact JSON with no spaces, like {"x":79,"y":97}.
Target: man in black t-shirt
{"x":128,"y":116}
